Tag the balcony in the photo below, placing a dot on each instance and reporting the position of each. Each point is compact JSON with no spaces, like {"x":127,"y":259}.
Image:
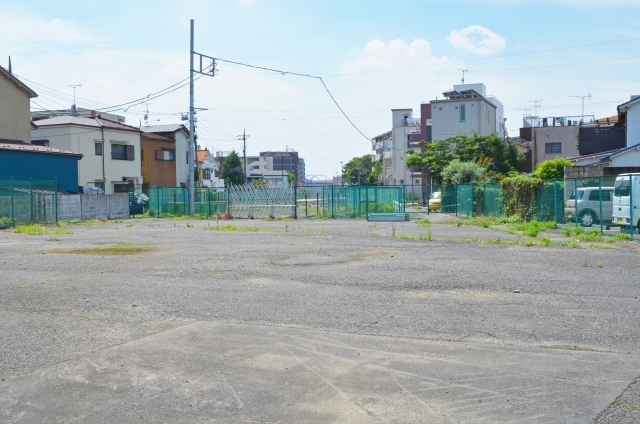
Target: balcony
{"x":557,"y":121}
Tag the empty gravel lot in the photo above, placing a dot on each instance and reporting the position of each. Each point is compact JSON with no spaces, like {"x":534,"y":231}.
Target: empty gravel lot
{"x":314,"y":321}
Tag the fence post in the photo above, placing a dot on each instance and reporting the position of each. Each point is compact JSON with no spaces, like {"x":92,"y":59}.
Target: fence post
{"x":600,"y":198}
{"x":575,"y":196}
{"x":631,"y":222}
{"x":55,"y":197}
{"x":13,"y":217}
{"x":318,"y":202}
{"x":295,"y":201}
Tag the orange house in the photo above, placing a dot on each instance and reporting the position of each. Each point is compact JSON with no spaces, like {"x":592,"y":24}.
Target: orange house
{"x":158,"y":157}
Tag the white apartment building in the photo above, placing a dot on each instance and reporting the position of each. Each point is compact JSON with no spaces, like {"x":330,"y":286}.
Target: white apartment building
{"x":111,"y":149}
{"x":465,"y":109}
{"x":180,"y":135}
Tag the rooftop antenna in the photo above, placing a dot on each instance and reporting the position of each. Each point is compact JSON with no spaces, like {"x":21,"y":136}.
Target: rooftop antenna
{"x":10,"y":65}
{"x":588,"y":96}
{"x":463,"y":71}
{"x":73,"y":106}
{"x":146,"y":115}
{"x":536,"y":105}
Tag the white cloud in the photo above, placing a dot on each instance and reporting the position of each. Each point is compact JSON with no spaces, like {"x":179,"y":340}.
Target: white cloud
{"x":378,"y":55}
{"x":476,"y":39}
{"x":21,"y":33}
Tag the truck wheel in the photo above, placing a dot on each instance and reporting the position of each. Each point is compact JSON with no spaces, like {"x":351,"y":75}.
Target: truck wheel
{"x":587,"y":218}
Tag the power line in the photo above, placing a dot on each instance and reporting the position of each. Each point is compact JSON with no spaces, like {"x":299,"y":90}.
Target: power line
{"x":301,"y":75}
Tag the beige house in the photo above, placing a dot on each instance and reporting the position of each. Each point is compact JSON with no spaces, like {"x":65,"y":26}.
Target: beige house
{"x":111,"y":149}
{"x":15,"y":119}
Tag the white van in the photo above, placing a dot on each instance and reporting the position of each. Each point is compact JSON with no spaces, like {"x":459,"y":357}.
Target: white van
{"x":625,"y":193}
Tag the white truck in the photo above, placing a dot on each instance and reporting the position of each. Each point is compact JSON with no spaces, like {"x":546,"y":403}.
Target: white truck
{"x":626,"y":201}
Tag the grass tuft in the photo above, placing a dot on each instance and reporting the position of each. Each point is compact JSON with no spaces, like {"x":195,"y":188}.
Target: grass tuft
{"x":38,"y":230}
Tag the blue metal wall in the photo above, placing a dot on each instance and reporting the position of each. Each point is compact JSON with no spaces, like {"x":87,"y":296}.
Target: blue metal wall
{"x":41,"y":165}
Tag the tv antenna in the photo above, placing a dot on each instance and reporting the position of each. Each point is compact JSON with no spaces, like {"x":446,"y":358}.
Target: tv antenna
{"x":583,"y":97}
{"x":536,"y":105}
{"x":74,"y":86}
{"x":463,"y":71}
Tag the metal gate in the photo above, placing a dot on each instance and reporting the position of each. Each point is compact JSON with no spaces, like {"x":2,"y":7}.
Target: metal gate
{"x":254,"y":201}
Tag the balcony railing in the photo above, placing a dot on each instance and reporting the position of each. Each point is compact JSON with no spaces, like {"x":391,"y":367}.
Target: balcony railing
{"x":557,"y":121}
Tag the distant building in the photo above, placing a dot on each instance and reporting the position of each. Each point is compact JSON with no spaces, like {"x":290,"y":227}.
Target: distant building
{"x":15,"y":99}
{"x":209,"y":169}
{"x":465,"y":109}
{"x":271,"y":167}
{"x":111,"y":150}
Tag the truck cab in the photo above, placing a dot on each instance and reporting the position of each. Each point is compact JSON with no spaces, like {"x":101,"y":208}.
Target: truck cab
{"x":626,"y":201}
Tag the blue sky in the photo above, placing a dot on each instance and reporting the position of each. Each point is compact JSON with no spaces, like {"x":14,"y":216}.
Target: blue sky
{"x":374,"y":56}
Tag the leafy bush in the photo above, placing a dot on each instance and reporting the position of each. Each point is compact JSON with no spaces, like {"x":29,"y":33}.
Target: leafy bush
{"x":552,"y":168}
{"x":458,"y":172}
{"x":520,"y":195}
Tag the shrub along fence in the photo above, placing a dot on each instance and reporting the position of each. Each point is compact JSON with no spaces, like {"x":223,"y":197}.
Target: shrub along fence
{"x":594,"y":201}
{"x":28,"y":200}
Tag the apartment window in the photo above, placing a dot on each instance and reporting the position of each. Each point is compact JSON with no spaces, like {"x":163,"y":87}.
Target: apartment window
{"x":553,"y":148}
{"x":166,"y":155}
{"x":100,"y":185}
{"x":206,"y":174}
{"x":121,"y":188}
{"x":122,"y":152}
{"x":463,"y":113}
{"x":98,"y":149}
{"x":43,"y":143}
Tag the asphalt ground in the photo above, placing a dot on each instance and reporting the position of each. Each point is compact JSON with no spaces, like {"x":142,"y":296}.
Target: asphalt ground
{"x":315,"y":321}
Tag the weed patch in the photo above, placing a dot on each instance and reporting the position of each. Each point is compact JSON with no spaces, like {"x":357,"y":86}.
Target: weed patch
{"x":38,"y":230}
{"x":117,"y":249}
{"x":408,"y":237}
{"x":424,"y":222}
{"x":544,"y":241}
{"x":233,"y":227}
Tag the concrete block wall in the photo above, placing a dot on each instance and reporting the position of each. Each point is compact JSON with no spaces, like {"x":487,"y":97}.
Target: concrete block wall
{"x":93,"y":206}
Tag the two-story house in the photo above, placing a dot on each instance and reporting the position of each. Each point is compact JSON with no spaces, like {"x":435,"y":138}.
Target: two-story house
{"x":15,"y":97}
{"x":209,"y":169}
{"x":179,"y":134}
{"x":111,"y":150}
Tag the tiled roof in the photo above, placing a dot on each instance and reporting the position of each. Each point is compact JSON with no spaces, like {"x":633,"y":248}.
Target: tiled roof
{"x":202,"y":155}
{"x":87,"y":121}
{"x":152,"y":136}
{"x":37,"y":149}
{"x":164,"y":128}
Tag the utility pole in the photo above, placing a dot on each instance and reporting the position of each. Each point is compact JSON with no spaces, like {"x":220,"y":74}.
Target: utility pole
{"x":583,"y":97}
{"x":243,"y":137}
{"x":192,"y":117}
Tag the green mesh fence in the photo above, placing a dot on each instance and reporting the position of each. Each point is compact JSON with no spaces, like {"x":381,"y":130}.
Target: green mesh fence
{"x":492,"y":200}
{"x":357,"y":202}
{"x":28,"y":200}
{"x":174,"y":201}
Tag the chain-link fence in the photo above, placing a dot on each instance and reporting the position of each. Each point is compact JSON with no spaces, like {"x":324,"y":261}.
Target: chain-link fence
{"x":174,"y":201}
{"x":359,"y":201}
{"x":256,"y":201}
{"x":28,"y":200}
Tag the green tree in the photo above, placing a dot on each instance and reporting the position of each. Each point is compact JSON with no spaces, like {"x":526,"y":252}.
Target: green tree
{"x":552,"y":168}
{"x":438,"y":154}
{"x":357,"y":170}
{"x":232,"y":170}
{"x":457,"y":172}
{"x":372,"y":179}
{"x":292,"y":178}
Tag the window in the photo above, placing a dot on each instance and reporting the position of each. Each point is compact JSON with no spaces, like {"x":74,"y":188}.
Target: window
{"x":166,"y":155}
{"x":595,"y":195}
{"x":122,"y":152}
{"x":206,"y":174}
{"x":100,"y":185}
{"x":552,"y":147}
{"x":187,"y":158}
{"x":622,"y":188}
{"x":98,"y":149}
{"x":43,"y":143}
{"x":580,"y":194}
{"x":121,"y":188}
{"x":463,"y":113}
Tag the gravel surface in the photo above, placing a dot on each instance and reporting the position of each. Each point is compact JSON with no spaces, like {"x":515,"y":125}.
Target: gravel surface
{"x":343,"y":276}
